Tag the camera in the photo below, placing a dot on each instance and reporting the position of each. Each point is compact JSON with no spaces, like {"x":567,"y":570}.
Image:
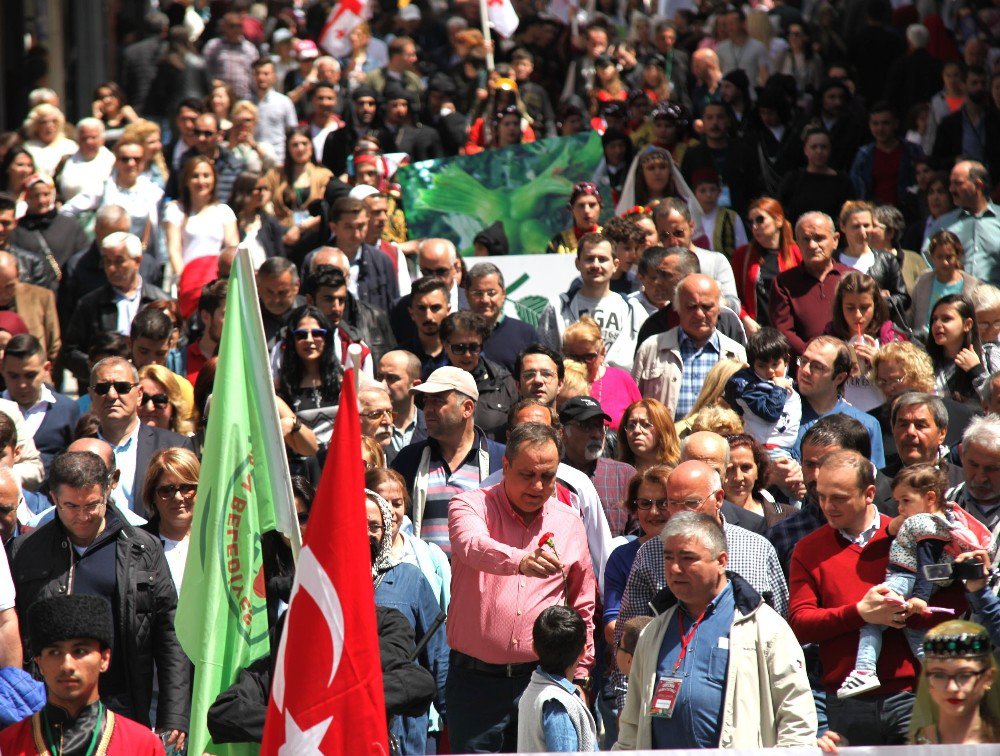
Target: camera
{"x":945,"y":571}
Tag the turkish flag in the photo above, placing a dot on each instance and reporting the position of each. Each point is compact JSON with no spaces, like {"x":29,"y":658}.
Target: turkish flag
{"x":343,"y":18}
{"x":327,"y":695}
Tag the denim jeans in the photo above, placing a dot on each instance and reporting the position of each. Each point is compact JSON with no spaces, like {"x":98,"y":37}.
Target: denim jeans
{"x":870,"y":641}
{"x":871,"y":720}
{"x":609,"y":714}
{"x":482,"y":710}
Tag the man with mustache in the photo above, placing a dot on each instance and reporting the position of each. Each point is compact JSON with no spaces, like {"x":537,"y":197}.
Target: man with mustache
{"x":583,"y":422}
{"x":979,"y":495}
{"x":71,"y":641}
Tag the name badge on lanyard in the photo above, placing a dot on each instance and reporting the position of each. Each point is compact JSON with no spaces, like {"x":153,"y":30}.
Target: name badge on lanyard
{"x":665,"y":696}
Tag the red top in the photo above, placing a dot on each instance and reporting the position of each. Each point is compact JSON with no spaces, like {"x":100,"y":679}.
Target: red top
{"x":128,"y":738}
{"x":885,"y":175}
{"x":828,"y":577}
{"x":746,"y":266}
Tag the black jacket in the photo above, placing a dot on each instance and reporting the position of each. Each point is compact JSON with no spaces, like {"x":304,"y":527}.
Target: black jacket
{"x":96,"y":313}
{"x":497,"y":394}
{"x":83,"y":274}
{"x":238,"y":714}
{"x":32,"y":268}
{"x":948,"y":140}
{"x":62,"y":235}
{"x":377,"y":281}
{"x":370,"y":324}
{"x":740,"y":171}
{"x":43,"y":565}
{"x":886,"y":271}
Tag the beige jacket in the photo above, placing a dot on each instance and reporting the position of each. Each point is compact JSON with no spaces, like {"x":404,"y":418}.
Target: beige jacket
{"x":658,"y":368}
{"x":768,"y":702}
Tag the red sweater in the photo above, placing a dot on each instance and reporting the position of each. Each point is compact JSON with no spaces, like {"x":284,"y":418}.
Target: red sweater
{"x":828,"y":577}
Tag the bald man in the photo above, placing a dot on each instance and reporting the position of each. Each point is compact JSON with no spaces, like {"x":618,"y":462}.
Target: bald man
{"x":713,"y":450}
{"x":400,"y":371}
{"x":35,"y":304}
{"x":435,"y":257}
{"x":672,"y":366}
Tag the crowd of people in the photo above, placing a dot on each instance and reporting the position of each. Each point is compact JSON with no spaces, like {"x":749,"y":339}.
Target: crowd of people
{"x":737,"y":486}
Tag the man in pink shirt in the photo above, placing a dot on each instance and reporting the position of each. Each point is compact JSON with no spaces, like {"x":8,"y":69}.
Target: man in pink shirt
{"x":502,"y":580}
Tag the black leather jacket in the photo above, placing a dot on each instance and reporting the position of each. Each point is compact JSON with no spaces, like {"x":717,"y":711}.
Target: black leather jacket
{"x":889,"y":275}
{"x":370,"y":325}
{"x":43,"y":564}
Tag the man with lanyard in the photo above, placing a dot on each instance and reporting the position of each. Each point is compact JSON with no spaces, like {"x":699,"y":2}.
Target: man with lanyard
{"x":71,"y":639}
{"x":700,"y":667}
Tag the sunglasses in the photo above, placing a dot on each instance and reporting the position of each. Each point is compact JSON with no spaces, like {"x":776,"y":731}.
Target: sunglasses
{"x":439,"y":272}
{"x":129,"y":159}
{"x":120,"y":387}
{"x":301,"y":334}
{"x":159,"y":400}
{"x":170,"y":490}
{"x":463,"y":349}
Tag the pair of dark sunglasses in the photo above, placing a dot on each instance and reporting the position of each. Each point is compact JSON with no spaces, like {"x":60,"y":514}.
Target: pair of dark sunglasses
{"x":463,"y":349}
{"x":159,"y":400}
{"x":121,"y":387}
{"x":301,"y":334}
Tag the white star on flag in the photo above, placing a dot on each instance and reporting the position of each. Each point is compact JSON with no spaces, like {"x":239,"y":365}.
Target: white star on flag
{"x":300,"y":742}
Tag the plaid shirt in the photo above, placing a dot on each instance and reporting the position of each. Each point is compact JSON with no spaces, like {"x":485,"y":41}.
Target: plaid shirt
{"x":750,"y":556}
{"x":697,"y":362}
{"x":785,"y":534}
{"x":232,"y":62}
{"x":611,"y":479}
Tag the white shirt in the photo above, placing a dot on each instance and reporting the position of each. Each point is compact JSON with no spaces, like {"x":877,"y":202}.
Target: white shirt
{"x":141,"y":201}
{"x":863,"y":263}
{"x":125,"y":454}
{"x":88,"y":176}
{"x":35,"y":414}
{"x":127,"y":308}
{"x":616,"y":317}
{"x":176,"y":553}
{"x":204,"y":232}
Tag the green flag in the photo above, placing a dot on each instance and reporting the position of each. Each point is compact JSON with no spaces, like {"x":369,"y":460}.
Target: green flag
{"x":244,"y":491}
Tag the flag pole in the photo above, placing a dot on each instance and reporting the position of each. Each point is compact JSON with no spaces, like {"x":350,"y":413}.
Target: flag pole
{"x":354,"y":352}
{"x":484,"y":16}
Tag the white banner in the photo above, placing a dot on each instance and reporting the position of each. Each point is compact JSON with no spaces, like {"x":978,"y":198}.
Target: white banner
{"x":524,"y":276}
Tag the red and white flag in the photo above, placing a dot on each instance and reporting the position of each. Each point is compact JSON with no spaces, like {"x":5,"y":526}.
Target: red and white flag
{"x":327,"y":695}
{"x":343,"y":18}
{"x":502,"y":17}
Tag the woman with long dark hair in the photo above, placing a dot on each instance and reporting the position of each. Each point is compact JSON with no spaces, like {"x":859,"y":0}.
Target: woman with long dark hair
{"x":956,"y":349}
{"x":259,"y":230}
{"x":310,"y":374}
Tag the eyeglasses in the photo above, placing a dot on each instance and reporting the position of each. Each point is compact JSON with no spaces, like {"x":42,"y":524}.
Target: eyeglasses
{"x":759,"y":220}
{"x":75,"y":509}
{"x":377,"y":414}
{"x":463,"y":349}
{"x":588,"y":357}
{"x":158,"y":400}
{"x":170,"y":490}
{"x":886,"y":382}
{"x":940,"y":680}
{"x":983,"y":324}
{"x":814,"y":367}
{"x":546,"y":375}
{"x":483,"y":294}
{"x":120,"y":387}
{"x":374,"y":527}
{"x":439,"y":272}
{"x":301,"y":334}
{"x":644,"y":425}
{"x":129,"y":159}
{"x":660,"y":504}
{"x":690,"y":504}
{"x":206,"y":134}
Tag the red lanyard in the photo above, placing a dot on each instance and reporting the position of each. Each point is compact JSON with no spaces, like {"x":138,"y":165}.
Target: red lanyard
{"x":685,"y":640}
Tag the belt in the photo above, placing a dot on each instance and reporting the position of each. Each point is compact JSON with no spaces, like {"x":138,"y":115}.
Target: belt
{"x":519,"y":669}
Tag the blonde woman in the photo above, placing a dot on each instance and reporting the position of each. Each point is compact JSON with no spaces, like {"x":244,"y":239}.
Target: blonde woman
{"x":166,"y":402}
{"x":170,"y":490}
{"x":149,"y":135}
{"x":575,"y":382}
{"x":614,"y":388}
{"x":711,"y":391}
{"x":47,"y":140}
{"x":258,"y":157}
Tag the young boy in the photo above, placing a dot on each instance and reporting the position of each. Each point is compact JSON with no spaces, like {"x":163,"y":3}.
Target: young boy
{"x":763,"y":394}
{"x":720,"y":224}
{"x":630,"y":638}
{"x":550,"y":715}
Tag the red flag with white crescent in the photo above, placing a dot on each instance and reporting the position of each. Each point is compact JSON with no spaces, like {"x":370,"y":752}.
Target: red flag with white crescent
{"x":344,"y":16}
{"x":327,"y":695}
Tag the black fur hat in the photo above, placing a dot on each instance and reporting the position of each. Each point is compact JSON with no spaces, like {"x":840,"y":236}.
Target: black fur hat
{"x":61,"y":618}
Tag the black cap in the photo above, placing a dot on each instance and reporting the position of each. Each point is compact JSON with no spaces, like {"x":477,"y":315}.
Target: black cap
{"x":61,"y":618}
{"x":581,"y":408}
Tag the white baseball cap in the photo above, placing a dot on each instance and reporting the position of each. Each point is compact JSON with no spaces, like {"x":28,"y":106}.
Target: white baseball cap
{"x":449,"y":378}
